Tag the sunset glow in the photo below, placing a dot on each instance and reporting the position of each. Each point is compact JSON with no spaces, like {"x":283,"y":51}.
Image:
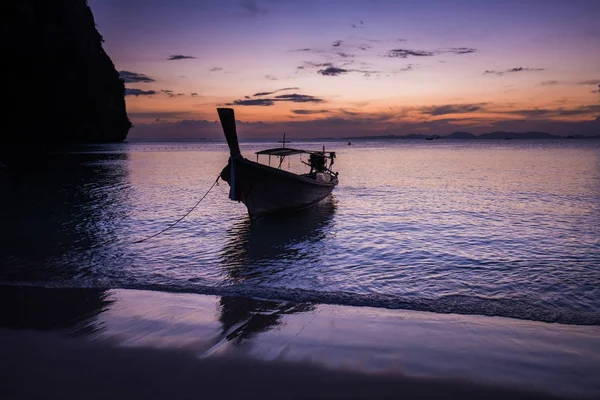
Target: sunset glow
{"x":356,"y":68}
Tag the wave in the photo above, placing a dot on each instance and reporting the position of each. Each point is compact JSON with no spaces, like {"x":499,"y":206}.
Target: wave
{"x":449,"y":304}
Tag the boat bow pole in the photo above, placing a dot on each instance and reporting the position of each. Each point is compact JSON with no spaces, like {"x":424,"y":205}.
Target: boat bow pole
{"x":227,"y":118}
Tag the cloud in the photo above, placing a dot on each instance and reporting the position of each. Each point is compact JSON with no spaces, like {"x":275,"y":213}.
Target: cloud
{"x":500,"y":110}
{"x":344,"y":54}
{"x":309,"y":112}
{"x":452,"y":109}
{"x":328,"y":69}
{"x":153,"y":115}
{"x":520,"y":69}
{"x":252,"y":102}
{"x":332,"y":52}
{"x":368,"y":39}
{"x":405,"y":53}
{"x":316,"y":65}
{"x":271,"y":77}
{"x":337,"y":71}
{"x":174,"y":57}
{"x":329,"y":52}
{"x":299,"y":98}
{"x":589,"y":110}
{"x":292,"y":97}
{"x":348,"y":112}
{"x":171,"y":94}
{"x":590,"y":82}
{"x":262,"y":94}
{"x":134,"y":77}
{"x":216,"y":69}
{"x":593,"y":82}
{"x":460,"y":50}
{"x":596,"y":91}
{"x":511,"y":70}
{"x":259,"y":94}
{"x":307,"y":49}
{"x":347,"y":124}
{"x":138,"y":92}
{"x":333,"y":71}
{"x":181,"y":128}
{"x":409,"y":67}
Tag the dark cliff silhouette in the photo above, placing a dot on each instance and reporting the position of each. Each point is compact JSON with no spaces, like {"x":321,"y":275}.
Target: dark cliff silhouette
{"x":62,"y":86}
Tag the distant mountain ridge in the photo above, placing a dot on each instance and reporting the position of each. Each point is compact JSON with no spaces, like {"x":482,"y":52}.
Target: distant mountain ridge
{"x":491,"y":135}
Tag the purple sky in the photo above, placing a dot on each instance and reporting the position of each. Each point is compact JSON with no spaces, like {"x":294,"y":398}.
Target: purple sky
{"x":348,"y":68}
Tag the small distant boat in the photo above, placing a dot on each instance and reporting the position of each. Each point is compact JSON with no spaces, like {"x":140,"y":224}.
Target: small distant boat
{"x":265,"y":189}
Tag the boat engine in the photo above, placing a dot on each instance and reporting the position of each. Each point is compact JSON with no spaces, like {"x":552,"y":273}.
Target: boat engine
{"x":317,"y":162}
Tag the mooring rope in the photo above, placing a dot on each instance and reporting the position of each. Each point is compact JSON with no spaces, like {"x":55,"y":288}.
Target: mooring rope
{"x":181,"y":219}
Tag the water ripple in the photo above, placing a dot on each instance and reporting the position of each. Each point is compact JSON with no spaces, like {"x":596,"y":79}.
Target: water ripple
{"x":458,"y":227}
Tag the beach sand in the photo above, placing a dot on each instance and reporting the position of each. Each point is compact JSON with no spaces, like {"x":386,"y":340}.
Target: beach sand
{"x":84,"y":343}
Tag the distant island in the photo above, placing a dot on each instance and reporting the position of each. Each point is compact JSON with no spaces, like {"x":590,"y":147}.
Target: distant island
{"x":491,"y":135}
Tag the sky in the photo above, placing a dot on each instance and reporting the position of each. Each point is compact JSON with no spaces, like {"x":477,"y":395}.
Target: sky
{"x":345,"y":68}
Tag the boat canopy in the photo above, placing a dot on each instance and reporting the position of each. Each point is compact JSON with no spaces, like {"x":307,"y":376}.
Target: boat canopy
{"x":282,"y":152}
{"x":286,"y":151}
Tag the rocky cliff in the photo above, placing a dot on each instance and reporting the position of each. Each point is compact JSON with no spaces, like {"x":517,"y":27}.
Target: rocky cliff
{"x":60,"y":85}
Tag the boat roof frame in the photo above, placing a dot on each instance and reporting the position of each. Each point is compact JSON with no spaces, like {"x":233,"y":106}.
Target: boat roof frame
{"x":286,"y":151}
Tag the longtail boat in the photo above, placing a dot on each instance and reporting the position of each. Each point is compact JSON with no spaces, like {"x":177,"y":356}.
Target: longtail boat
{"x":265,"y":189}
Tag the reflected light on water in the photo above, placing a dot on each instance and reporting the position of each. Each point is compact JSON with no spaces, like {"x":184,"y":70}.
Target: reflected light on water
{"x":508,"y":228}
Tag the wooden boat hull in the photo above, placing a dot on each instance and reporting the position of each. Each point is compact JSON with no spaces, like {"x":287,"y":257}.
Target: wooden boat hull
{"x":267,"y":190}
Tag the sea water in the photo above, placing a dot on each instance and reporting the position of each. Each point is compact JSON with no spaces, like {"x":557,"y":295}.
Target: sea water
{"x":490,"y":227}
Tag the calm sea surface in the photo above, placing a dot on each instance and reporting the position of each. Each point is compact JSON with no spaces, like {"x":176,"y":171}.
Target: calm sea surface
{"x":508,"y":228}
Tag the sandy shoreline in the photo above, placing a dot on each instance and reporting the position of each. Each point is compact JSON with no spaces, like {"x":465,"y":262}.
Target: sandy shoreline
{"x":42,"y":365}
{"x":131,"y":343}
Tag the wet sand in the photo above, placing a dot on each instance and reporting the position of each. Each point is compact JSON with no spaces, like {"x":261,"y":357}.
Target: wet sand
{"x":84,"y":343}
{"x":44,"y":366}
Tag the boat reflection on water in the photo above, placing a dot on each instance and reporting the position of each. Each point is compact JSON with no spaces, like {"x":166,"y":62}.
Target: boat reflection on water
{"x":143,"y":318}
{"x":255,"y":249}
{"x":254,"y":246}
{"x":244,"y":317}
